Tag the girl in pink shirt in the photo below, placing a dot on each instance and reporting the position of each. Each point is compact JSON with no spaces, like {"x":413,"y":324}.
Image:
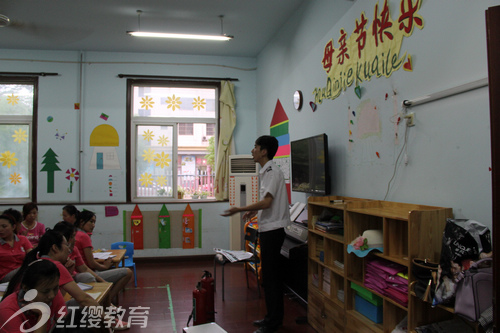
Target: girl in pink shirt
{"x":30,"y":227}
{"x":41,"y":281}
{"x":13,"y":248}
{"x":83,"y":243}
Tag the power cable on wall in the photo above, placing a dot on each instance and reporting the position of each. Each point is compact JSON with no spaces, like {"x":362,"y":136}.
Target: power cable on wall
{"x":403,"y":148}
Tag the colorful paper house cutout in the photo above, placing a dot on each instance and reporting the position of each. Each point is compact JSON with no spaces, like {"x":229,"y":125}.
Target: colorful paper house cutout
{"x":104,"y":139}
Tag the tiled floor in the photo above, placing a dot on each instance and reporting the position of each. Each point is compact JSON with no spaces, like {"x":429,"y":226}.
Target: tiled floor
{"x":167,"y":287}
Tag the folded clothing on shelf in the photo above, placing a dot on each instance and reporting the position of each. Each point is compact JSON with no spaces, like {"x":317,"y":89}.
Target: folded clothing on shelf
{"x":382,"y":277}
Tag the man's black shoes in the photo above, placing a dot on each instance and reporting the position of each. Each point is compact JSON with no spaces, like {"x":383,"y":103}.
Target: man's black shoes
{"x":266,"y":329}
{"x":259,"y":323}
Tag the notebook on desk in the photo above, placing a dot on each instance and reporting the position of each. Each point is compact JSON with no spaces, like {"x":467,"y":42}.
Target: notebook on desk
{"x":84,"y":286}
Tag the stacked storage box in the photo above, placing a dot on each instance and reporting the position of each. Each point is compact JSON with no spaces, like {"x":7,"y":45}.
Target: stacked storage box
{"x":368,"y":304}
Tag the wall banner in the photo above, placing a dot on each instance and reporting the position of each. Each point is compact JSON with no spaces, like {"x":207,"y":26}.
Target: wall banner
{"x":371,"y":50}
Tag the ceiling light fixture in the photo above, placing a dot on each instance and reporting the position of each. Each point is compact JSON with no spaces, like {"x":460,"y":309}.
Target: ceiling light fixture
{"x":221,"y":37}
{"x":4,"y":21}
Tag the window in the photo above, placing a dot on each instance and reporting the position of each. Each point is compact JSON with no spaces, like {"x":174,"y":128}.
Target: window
{"x":17,"y":111}
{"x":186,"y":129}
{"x":210,"y":131}
{"x":168,"y":139}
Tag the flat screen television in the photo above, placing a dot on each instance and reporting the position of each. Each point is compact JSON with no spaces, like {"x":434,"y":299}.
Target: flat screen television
{"x":310,"y":172}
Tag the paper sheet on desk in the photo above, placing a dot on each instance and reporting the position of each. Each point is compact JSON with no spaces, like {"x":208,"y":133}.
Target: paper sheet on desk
{"x":103,"y":255}
{"x":234,"y":256}
{"x":94,"y":295}
{"x":84,"y":286}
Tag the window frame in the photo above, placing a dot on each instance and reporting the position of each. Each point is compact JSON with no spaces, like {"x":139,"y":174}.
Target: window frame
{"x":131,"y":123}
{"x":32,"y":122}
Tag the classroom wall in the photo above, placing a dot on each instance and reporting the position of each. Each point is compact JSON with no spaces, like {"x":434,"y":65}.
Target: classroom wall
{"x":103,"y":92}
{"x":448,"y":151}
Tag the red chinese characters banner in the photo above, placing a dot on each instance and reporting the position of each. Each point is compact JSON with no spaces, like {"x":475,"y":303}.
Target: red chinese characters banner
{"x":371,"y":50}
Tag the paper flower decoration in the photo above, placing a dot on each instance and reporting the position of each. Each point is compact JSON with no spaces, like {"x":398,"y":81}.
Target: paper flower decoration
{"x":72,"y":174}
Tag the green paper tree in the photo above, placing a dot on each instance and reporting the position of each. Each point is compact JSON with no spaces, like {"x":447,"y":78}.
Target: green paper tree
{"x":50,"y":161}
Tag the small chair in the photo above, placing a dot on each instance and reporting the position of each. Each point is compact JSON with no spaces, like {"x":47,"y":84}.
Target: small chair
{"x":129,"y":255}
{"x":251,"y":237}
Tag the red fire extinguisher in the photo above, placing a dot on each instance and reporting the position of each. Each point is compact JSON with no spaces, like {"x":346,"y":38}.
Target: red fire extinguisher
{"x":207,"y":283}
{"x":199,"y":305}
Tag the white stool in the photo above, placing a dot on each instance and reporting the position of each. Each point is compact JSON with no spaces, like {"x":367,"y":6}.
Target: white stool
{"x":205,"y":328}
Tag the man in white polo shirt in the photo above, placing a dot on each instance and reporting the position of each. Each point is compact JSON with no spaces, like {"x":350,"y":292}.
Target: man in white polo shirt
{"x":273,"y":216}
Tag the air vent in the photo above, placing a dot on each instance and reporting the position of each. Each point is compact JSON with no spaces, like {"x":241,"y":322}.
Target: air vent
{"x":242,"y":165}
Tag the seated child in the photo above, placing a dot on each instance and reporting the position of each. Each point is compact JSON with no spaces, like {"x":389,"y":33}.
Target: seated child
{"x":30,"y":227}
{"x":39,"y":291}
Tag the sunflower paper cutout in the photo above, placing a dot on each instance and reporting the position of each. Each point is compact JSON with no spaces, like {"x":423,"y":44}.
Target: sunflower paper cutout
{"x":8,"y":159}
{"x":147,"y":102}
{"x":148,"y":155}
{"x":20,"y":136}
{"x":15,"y":178}
{"x":162,"y":160}
{"x":12,"y":99}
{"x":148,"y":135}
{"x":146,"y":179}
{"x":199,"y":103}
{"x":163,"y":141}
{"x":174,"y":102}
{"x":161,"y":180}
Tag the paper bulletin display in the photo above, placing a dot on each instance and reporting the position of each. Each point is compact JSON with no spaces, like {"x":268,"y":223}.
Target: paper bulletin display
{"x":151,"y":239}
{"x":372,"y":49}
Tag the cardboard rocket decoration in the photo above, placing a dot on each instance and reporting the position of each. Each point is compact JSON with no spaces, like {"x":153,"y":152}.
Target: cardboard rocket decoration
{"x":279,"y":129}
{"x":136,"y":228}
{"x":164,"y":228}
{"x":188,"y":228}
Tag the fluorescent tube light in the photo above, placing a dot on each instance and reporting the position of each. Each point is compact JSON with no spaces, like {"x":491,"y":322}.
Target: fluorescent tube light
{"x":447,"y":93}
{"x":179,"y":36}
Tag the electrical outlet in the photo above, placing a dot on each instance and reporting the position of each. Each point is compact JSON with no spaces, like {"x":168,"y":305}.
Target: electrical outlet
{"x":410,"y":119}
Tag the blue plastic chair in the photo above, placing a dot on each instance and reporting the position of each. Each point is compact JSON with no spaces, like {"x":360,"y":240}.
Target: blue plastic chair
{"x":129,"y":255}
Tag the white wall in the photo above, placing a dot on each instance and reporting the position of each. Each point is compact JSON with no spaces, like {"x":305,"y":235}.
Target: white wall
{"x":103,"y":92}
{"x":448,"y":149}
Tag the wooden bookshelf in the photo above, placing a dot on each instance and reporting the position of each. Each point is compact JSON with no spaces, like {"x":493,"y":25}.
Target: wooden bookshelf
{"x":409,"y":231}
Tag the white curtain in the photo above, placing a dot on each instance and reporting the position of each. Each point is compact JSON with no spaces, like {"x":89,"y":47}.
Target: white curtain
{"x":225,"y":146}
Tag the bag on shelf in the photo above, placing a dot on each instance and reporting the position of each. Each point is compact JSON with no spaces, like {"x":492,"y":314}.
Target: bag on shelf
{"x":475,"y":291}
{"x":425,"y":273}
{"x":463,"y":242}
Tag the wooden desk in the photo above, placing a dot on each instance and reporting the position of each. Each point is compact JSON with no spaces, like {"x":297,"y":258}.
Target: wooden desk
{"x":103,"y":287}
{"x":119,"y":256}
{"x":205,"y":328}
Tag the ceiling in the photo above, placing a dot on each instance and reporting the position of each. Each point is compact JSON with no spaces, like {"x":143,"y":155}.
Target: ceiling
{"x":101,"y":25}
